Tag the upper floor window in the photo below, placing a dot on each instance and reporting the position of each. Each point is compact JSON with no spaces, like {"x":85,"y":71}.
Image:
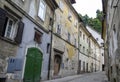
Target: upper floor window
{"x":87,"y":40}
{"x":75,"y":43}
{"x":83,"y":49}
{"x":61,"y":5}
{"x":75,"y":23}
{"x":38,"y":36}
{"x":10,"y":27}
{"x":69,"y":36}
{"x":59,"y":29}
{"x":42,"y":10}
{"x":87,"y":51}
{"x":83,"y":36}
{"x":23,"y":0}
{"x":9,"y":31}
{"x":69,"y":16}
{"x":80,"y":33}
{"x":80,"y":47}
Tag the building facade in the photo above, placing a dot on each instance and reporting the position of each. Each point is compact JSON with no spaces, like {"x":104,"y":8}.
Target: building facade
{"x":39,"y":40}
{"x":110,"y":34}
{"x":89,"y":51}
{"x":25,"y":36}
{"x":98,"y":38}
{"x":64,"y":55}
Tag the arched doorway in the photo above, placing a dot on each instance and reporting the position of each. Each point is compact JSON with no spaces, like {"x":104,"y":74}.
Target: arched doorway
{"x":57,"y":63}
{"x":33,"y":65}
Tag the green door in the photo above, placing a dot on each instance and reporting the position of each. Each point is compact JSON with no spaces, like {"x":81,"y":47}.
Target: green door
{"x":33,"y":65}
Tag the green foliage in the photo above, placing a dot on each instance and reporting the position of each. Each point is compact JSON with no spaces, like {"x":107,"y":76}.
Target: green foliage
{"x":95,"y":23}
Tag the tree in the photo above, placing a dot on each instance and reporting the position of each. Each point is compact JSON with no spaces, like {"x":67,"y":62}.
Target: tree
{"x":95,"y":23}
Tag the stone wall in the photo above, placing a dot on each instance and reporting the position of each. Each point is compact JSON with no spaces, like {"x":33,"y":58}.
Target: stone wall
{"x":6,"y":50}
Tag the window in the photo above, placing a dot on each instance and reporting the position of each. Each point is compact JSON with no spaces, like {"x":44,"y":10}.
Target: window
{"x":83,"y":37}
{"x":102,"y":54}
{"x":87,"y":40}
{"x":23,"y":0}
{"x":59,"y":29}
{"x":51,"y":21}
{"x":42,"y":10}
{"x":69,"y":16}
{"x":87,"y":52}
{"x":75,"y":42}
{"x":48,"y":48}
{"x":83,"y":49}
{"x":61,"y":5}
{"x":9,"y":28}
{"x":80,"y":33}
{"x":38,"y":36}
{"x":75,"y":24}
{"x":68,"y":36}
{"x":80,"y":47}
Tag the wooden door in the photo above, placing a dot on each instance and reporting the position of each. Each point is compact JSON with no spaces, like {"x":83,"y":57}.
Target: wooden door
{"x":33,"y":65}
{"x":57,"y":63}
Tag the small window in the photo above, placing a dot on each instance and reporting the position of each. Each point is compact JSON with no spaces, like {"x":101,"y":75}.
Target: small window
{"x":51,"y":21}
{"x":83,"y":49}
{"x":61,"y":5}
{"x":69,"y":16}
{"x":23,"y":0}
{"x":75,"y":43}
{"x":42,"y":10}
{"x":87,"y":40}
{"x":102,"y":54}
{"x":38,"y":37}
{"x":80,"y":46}
{"x":87,"y":51}
{"x":59,"y":29}
{"x":69,"y":37}
{"x":48,"y":48}
{"x":9,"y":28}
{"x":83,"y":36}
{"x":80,"y":33}
{"x":75,"y":23}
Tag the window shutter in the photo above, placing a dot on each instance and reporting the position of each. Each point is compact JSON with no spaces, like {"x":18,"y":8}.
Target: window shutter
{"x":18,"y":37}
{"x":2,"y":20}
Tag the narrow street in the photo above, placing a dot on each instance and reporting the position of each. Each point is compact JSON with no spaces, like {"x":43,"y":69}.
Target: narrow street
{"x":88,"y":77}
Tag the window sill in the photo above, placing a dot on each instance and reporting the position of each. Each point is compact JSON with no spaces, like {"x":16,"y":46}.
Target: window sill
{"x":41,"y":20}
{"x":61,"y":10}
{"x":8,"y":40}
{"x":59,"y":35}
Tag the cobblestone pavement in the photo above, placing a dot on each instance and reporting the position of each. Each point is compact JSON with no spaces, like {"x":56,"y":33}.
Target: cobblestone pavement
{"x":88,"y":77}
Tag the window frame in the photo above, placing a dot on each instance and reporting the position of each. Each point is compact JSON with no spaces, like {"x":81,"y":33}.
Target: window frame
{"x":61,"y":5}
{"x":69,"y":37}
{"x":59,"y":31}
{"x":42,"y":9}
{"x":12,"y":32}
{"x":83,"y":36}
{"x":38,"y":36}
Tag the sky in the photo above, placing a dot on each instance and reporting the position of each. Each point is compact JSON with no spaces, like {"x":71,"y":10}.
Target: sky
{"x":88,"y":7}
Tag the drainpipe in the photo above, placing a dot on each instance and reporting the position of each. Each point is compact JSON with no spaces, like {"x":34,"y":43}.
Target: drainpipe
{"x":78,"y":49}
{"x":51,"y":49}
{"x":51,"y":39}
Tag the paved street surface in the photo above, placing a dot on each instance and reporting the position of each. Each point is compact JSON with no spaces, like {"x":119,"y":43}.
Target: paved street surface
{"x":88,"y":77}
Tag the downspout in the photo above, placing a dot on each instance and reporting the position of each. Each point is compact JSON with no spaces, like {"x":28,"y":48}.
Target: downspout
{"x":49,"y":65}
{"x":51,"y":30}
{"x":78,"y":49}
